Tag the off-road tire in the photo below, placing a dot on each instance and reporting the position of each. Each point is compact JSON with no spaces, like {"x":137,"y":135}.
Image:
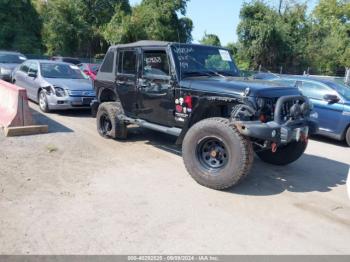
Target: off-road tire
{"x":116,"y":128}
{"x":347,"y":136}
{"x":284,"y":155}
{"x":45,"y":106}
{"x":239,"y":150}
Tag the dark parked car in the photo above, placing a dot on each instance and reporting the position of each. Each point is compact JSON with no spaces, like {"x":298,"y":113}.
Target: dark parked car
{"x":70,"y":60}
{"x":331,"y":99}
{"x":194,"y":93}
{"x":89,"y":69}
{"x":55,"y":85}
{"x":8,"y":62}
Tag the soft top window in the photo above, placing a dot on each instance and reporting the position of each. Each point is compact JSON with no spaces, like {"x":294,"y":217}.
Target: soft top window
{"x":155,"y":63}
{"x":107,"y":65}
{"x":127,"y":62}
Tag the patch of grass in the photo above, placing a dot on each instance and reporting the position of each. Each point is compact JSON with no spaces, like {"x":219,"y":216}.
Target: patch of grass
{"x":52,"y":148}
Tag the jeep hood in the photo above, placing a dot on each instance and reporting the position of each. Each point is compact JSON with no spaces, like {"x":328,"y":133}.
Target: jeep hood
{"x":236,"y":86}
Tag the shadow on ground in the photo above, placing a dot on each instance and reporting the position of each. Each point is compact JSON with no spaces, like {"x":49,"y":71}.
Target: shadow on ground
{"x":81,"y":113}
{"x":308,"y":174}
{"x":54,"y":127}
{"x":327,"y":140}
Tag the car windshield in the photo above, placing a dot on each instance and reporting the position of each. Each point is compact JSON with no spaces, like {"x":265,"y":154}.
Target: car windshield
{"x":342,"y":89}
{"x":11,"y":59}
{"x":194,"y":60}
{"x":51,"y":70}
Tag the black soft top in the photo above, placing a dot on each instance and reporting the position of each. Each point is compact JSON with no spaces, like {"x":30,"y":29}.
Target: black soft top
{"x":152,"y":43}
{"x":144,"y":43}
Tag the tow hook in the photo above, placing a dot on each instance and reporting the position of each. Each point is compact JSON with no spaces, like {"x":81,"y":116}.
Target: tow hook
{"x":273,"y":147}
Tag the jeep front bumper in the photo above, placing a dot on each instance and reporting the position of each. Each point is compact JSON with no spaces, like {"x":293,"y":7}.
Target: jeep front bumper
{"x":278,"y":130}
{"x":277,"y":133}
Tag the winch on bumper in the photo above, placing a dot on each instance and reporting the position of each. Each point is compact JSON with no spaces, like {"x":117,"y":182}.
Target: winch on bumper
{"x":298,"y":125}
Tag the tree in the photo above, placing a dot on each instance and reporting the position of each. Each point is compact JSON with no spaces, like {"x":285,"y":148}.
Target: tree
{"x":65,"y":30}
{"x":261,"y":35}
{"x":97,"y":14}
{"x":20,"y":26}
{"x":273,"y":38}
{"x":153,"y":20}
{"x":329,"y":40}
{"x":75,"y":27}
{"x":210,"y":39}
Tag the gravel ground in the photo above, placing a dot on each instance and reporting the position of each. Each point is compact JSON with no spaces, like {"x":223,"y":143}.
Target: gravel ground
{"x":73,"y":192}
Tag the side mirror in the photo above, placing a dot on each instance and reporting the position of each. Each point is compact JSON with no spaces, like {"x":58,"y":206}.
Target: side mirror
{"x":32,"y":74}
{"x":331,"y":98}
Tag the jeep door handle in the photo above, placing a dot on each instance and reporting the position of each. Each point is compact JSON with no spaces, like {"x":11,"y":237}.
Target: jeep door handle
{"x":119,"y":82}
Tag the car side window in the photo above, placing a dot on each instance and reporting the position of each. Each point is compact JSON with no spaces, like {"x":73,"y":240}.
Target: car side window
{"x":24,"y":67}
{"x":315,"y":90}
{"x":127,"y":61}
{"x":155,"y":63}
{"x":107,"y":65}
{"x":33,"y":68}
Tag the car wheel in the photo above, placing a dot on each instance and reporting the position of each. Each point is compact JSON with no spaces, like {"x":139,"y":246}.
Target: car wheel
{"x":108,"y":120}
{"x":347,"y":136}
{"x":284,"y":155}
{"x":215,"y":154}
{"x":43,"y":103}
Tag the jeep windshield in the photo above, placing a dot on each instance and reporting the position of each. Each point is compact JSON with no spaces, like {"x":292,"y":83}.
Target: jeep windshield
{"x":197,"y":60}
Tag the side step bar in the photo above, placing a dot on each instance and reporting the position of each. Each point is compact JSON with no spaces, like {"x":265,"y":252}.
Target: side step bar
{"x":174,"y":131}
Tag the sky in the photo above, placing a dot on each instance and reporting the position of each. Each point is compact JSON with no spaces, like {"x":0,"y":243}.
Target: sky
{"x":221,"y":18}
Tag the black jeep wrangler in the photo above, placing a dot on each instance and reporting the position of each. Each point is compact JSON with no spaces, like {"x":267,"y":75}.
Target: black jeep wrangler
{"x":194,"y":92}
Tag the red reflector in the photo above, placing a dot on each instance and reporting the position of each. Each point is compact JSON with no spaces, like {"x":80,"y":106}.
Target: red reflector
{"x":188,"y":101}
{"x":262,"y":118}
{"x":179,"y":108}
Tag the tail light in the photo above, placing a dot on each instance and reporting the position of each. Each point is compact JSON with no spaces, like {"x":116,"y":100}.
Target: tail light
{"x":188,"y":101}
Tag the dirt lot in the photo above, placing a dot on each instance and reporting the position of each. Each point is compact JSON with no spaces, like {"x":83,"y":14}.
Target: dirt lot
{"x":73,"y":192}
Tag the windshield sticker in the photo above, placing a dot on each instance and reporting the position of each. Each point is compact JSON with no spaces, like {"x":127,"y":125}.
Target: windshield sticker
{"x":22,"y":58}
{"x":225,"y":55}
{"x":74,"y":67}
{"x":153,"y":60}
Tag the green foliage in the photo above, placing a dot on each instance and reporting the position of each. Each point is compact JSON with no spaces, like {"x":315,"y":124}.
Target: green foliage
{"x":329,"y":40}
{"x":74,"y":27}
{"x":65,"y":30}
{"x":210,"y":39}
{"x":291,"y":38}
{"x":272,"y":39}
{"x":20,"y":26}
{"x":153,"y":20}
